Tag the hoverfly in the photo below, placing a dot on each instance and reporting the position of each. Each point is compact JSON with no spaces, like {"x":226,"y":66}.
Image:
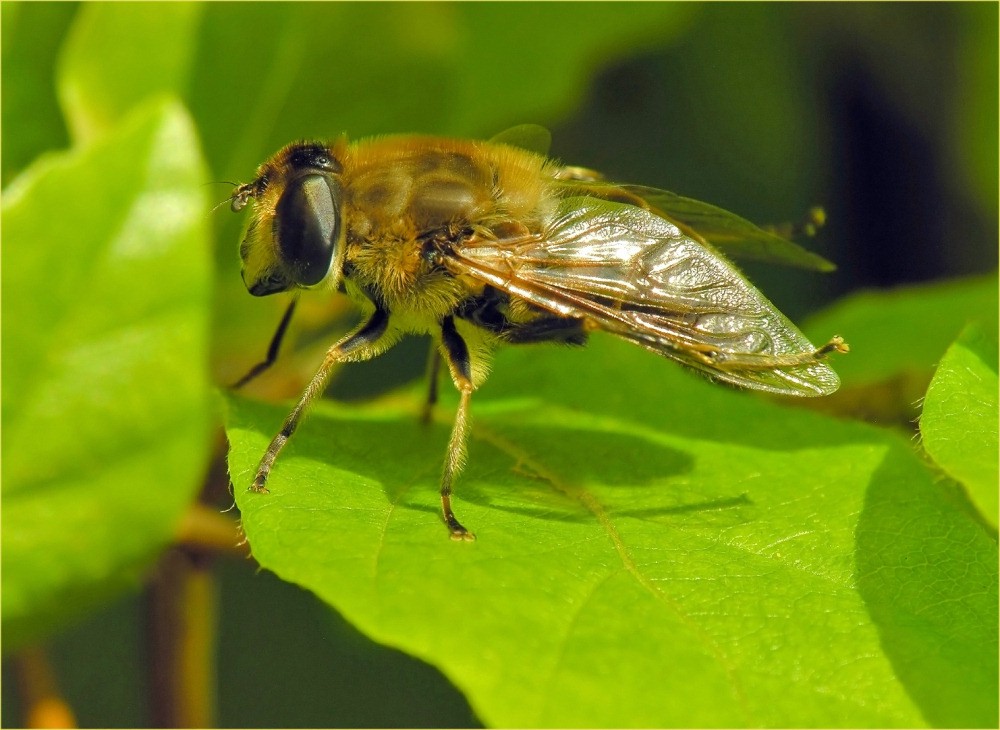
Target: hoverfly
{"x":484,"y":243}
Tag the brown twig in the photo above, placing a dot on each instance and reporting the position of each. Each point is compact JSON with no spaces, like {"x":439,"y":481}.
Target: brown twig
{"x":181,"y":604}
{"x":206,"y":530}
{"x":44,"y":706}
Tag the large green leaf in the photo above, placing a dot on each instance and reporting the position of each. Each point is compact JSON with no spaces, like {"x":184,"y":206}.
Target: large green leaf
{"x":105,"y":395}
{"x":653,"y":551}
{"x":959,"y":420}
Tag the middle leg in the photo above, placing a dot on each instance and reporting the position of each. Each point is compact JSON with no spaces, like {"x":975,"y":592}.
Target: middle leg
{"x":460,"y":364}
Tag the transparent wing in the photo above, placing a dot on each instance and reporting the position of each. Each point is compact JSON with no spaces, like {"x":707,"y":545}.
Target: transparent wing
{"x":633,"y":273}
{"x":531,"y":137}
{"x":707,"y":223}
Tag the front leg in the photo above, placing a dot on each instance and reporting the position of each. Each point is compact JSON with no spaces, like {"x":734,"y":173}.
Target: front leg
{"x":272,"y":349}
{"x":359,"y":345}
{"x":460,"y":364}
{"x":433,"y":368}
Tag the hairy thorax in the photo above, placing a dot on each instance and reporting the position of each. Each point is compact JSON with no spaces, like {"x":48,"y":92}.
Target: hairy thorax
{"x":401,"y":195}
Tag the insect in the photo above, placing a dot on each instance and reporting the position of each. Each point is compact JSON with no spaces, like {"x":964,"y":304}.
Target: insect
{"x":481,"y":244}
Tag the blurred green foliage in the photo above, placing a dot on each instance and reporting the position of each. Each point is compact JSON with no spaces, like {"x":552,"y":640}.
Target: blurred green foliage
{"x":108,"y":391}
{"x":886,"y":114}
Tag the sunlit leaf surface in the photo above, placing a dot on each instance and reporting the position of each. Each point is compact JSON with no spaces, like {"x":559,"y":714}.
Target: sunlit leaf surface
{"x":652,"y":550}
{"x":959,"y":420}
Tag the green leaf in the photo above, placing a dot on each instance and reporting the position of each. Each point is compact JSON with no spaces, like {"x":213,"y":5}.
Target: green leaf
{"x":929,"y":580}
{"x":105,"y":417}
{"x":119,"y":55}
{"x":959,"y":420}
{"x":653,"y":550}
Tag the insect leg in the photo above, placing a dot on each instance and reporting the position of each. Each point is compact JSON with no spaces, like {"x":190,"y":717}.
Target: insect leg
{"x":460,"y":365}
{"x":433,"y":370}
{"x":272,"y":349}
{"x":353,"y":347}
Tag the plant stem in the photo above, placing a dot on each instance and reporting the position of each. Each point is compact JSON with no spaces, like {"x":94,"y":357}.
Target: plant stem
{"x":204,"y":529}
{"x":44,"y":706}
{"x":181,"y":633}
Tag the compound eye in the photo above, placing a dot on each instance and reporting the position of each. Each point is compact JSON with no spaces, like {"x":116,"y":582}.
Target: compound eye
{"x":308,"y":227}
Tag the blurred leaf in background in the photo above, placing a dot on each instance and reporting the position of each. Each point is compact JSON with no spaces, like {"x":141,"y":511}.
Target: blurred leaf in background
{"x":105,"y":394}
{"x":765,"y":110}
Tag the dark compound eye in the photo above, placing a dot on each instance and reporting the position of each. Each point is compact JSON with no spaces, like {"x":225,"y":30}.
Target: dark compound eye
{"x":308,"y":227}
